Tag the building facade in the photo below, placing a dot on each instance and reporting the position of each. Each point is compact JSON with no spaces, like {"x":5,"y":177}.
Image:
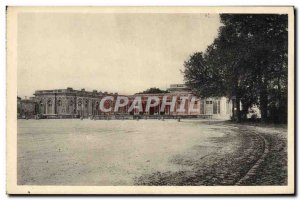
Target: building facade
{"x":26,"y":108}
{"x":70,"y":103}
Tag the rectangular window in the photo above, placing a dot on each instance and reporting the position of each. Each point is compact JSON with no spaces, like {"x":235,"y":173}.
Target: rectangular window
{"x":202,"y":106}
{"x":209,"y":102}
{"x":215,"y":107}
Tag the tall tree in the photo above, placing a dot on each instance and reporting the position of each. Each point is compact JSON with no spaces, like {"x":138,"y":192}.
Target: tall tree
{"x":204,"y":79}
{"x":247,"y":62}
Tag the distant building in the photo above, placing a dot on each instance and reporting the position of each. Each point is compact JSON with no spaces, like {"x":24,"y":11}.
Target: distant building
{"x":218,"y":107}
{"x":178,"y":88}
{"x":70,"y":103}
{"x":26,"y":108}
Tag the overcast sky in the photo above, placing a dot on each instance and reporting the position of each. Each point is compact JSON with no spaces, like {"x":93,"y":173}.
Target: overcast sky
{"x":124,"y":53}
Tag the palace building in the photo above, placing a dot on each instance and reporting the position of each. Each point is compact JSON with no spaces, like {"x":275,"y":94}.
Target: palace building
{"x":70,"y":103}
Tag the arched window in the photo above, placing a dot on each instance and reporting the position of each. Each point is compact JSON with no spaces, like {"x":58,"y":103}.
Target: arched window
{"x":41,"y":108}
{"x":80,"y":102}
{"x":59,"y":107}
{"x":49,"y":107}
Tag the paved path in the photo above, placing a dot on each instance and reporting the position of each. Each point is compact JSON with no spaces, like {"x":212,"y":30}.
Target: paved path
{"x":257,"y":158}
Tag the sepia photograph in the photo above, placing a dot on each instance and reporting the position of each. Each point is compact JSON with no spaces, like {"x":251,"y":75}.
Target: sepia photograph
{"x":150,"y":100}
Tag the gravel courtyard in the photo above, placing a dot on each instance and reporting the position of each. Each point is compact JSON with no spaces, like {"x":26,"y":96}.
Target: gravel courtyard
{"x":149,"y":152}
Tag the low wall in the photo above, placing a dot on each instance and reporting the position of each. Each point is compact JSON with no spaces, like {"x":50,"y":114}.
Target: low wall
{"x":120,"y":117}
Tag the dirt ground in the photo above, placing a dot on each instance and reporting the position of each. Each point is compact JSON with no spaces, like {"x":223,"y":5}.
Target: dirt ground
{"x":146,"y":152}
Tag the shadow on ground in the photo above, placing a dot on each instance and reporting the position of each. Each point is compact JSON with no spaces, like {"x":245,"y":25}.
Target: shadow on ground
{"x":236,"y":155}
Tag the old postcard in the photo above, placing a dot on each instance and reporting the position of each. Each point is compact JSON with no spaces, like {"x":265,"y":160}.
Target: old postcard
{"x":150,"y":100}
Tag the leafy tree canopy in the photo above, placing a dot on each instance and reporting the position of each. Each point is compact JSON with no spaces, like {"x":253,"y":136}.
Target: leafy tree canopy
{"x":247,"y":62}
{"x":153,"y":90}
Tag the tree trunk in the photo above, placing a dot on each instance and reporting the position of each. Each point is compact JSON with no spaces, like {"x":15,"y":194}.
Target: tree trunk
{"x":233,"y":110}
{"x":264,"y":106}
{"x":238,"y":109}
{"x":263,"y":94}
